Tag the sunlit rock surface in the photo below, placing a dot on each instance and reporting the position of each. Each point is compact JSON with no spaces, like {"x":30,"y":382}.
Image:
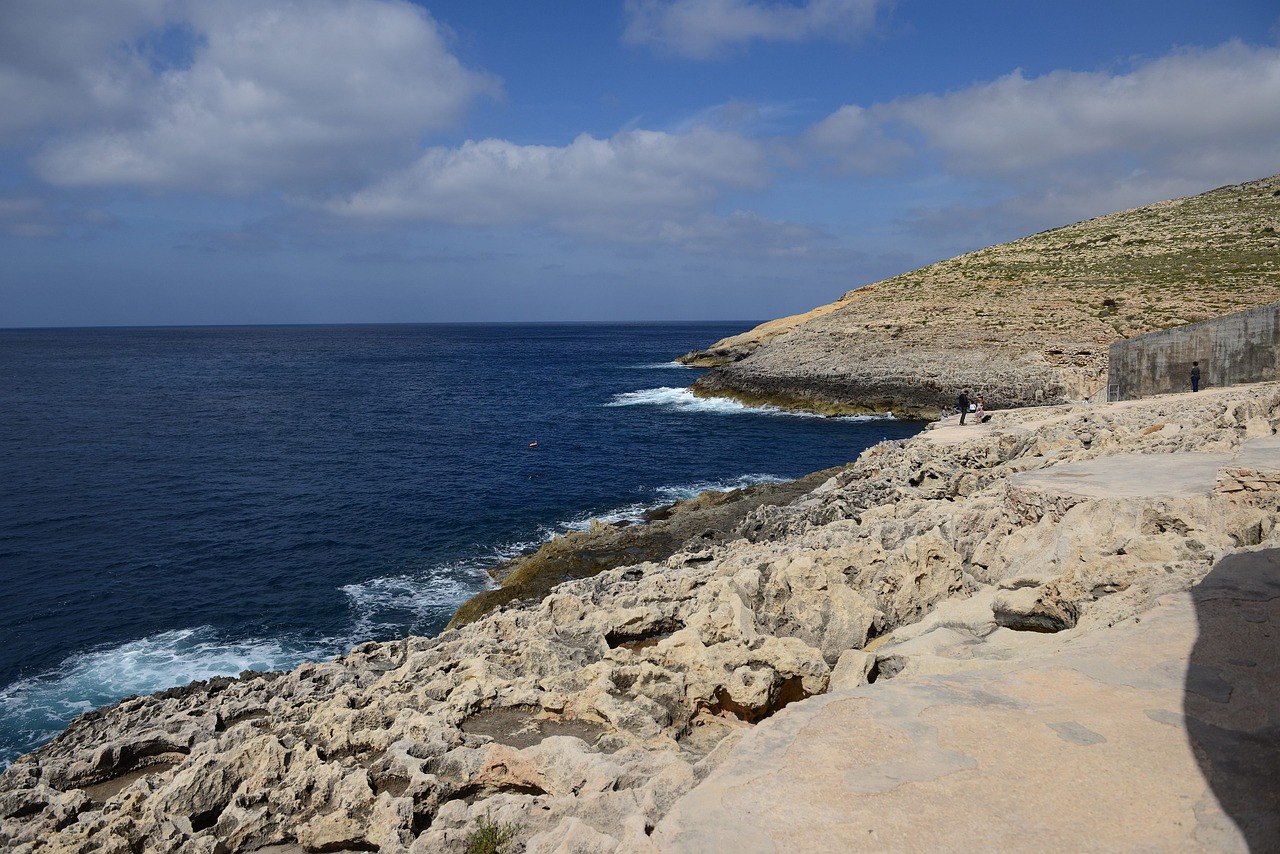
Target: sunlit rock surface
{"x":987,"y":560}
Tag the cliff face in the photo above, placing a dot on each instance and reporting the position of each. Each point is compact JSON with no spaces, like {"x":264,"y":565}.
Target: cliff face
{"x":1027,"y":322}
{"x":586,"y":720}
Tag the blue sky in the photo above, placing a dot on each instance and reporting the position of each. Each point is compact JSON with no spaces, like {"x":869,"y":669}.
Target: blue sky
{"x":353,"y":161}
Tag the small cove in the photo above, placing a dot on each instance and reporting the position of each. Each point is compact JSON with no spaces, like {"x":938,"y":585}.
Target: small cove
{"x":185,"y":503}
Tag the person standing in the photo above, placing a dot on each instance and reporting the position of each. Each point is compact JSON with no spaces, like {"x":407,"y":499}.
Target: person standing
{"x":1195,"y":376}
{"x":962,"y":402}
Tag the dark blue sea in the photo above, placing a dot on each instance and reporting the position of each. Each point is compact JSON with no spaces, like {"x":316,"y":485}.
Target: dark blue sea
{"x":182,"y":503}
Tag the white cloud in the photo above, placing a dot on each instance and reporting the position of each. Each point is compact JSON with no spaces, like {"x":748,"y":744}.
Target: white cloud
{"x":860,"y":140}
{"x":635,"y":187}
{"x":1079,"y":143}
{"x":703,"y":28}
{"x":274,"y":94}
{"x":1192,"y":110}
{"x":62,"y":63}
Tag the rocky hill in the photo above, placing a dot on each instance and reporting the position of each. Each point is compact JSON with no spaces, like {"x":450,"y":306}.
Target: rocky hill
{"x":1027,"y":322}
{"x":673,"y":705}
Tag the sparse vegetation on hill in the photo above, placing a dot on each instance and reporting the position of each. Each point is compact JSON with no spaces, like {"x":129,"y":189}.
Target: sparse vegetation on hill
{"x":1024,"y":322}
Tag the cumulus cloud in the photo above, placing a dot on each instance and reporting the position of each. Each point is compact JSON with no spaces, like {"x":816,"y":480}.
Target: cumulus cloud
{"x":62,"y":63}
{"x":1192,"y":111}
{"x":637,"y":186}
{"x":701,"y":29}
{"x":1074,"y":142}
{"x":236,"y":96}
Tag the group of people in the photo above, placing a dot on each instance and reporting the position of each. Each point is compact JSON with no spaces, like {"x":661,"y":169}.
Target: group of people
{"x":976,"y":408}
{"x":967,"y":407}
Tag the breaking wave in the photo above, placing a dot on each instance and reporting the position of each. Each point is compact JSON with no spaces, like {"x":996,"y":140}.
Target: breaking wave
{"x":684,"y":400}
{"x":37,"y":708}
{"x":664,"y":496}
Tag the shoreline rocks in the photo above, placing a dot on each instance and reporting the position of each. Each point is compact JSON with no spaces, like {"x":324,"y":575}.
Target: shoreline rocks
{"x":1024,"y":323}
{"x":585,"y":719}
{"x":709,"y":517}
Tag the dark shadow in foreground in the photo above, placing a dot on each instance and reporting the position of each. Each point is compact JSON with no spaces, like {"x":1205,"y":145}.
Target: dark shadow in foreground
{"x":1232,"y":700}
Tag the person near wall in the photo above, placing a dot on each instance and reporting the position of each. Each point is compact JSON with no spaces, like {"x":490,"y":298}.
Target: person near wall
{"x":962,"y":404}
{"x":1195,"y":376}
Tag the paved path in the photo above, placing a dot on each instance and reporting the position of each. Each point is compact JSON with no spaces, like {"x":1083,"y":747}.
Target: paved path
{"x":1130,"y":476}
{"x":1103,"y":742}
{"x":1160,"y":734}
{"x":949,"y":431}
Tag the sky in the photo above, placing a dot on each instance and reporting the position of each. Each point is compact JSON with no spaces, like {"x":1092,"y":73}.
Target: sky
{"x":193,"y":162}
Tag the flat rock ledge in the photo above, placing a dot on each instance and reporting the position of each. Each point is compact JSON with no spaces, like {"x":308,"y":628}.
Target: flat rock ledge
{"x":1053,"y":631}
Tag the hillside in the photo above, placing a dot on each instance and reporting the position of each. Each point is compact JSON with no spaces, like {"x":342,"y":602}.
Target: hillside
{"x":1024,"y":323}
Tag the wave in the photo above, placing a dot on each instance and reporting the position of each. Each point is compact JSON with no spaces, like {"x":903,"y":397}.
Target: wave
{"x":37,"y":708}
{"x":665,"y":496}
{"x":662,"y":366}
{"x":681,"y":399}
{"x":684,"y":400}
{"x":405,"y":604}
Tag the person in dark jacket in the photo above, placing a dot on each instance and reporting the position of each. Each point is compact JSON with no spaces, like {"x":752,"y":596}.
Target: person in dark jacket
{"x":963,"y":403}
{"x":1195,"y":376}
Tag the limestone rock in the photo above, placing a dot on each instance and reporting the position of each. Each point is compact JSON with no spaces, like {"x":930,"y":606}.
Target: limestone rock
{"x":1033,"y":609}
{"x":584,"y":718}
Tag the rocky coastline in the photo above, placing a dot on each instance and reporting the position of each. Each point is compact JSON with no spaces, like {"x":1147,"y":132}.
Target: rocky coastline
{"x":1024,"y":323}
{"x":713,"y":516}
{"x":609,"y":714}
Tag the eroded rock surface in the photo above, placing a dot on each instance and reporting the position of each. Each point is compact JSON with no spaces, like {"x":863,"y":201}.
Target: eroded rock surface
{"x":583,"y":719}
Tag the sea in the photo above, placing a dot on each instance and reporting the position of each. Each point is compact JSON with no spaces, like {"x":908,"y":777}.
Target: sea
{"x":182,"y":503}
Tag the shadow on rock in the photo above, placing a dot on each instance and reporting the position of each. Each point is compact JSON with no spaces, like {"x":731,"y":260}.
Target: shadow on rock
{"x":1232,"y":700}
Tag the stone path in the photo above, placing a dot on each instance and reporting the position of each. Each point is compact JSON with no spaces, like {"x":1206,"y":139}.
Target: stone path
{"x":1102,"y":742}
{"x":1150,"y":475}
{"x":1158,"y":734}
{"x":949,"y":431}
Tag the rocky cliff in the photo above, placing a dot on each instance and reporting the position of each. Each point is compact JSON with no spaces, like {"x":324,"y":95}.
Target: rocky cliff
{"x":597,"y":718}
{"x":1027,"y":322}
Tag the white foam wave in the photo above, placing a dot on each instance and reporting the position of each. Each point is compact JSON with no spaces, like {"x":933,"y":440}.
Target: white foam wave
{"x":664,"y":496}
{"x":684,"y":400}
{"x":506,"y":551}
{"x":38,"y":707}
{"x":676,"y":493}
{"x":403,"y":603}
{"x":681,"y":399}
{"x":660,"y":366}
{"x":628,"y":513}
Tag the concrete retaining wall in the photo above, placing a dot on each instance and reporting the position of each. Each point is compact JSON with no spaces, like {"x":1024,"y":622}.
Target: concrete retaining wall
{"x":1235,"y":348}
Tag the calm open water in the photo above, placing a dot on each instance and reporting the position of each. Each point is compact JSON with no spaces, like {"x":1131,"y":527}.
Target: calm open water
{"x":182,"y":503}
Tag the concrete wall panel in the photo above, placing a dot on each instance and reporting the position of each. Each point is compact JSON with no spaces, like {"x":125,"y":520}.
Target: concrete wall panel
{"x":1235,"y":348}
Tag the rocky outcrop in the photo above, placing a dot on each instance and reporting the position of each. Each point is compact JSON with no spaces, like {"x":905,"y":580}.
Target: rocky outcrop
{"x":1023,"y":323}
{"x":709,"y":517}
{"x":581,"y":721}
{"x":1159,"y":734}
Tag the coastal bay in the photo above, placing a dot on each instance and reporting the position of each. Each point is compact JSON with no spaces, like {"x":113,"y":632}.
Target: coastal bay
{"x":186,"y":503}
{"x":596,"y":718}
{"x":373,"y":479}
{"x":1025,"y":323}
{"x":968,"y":638}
